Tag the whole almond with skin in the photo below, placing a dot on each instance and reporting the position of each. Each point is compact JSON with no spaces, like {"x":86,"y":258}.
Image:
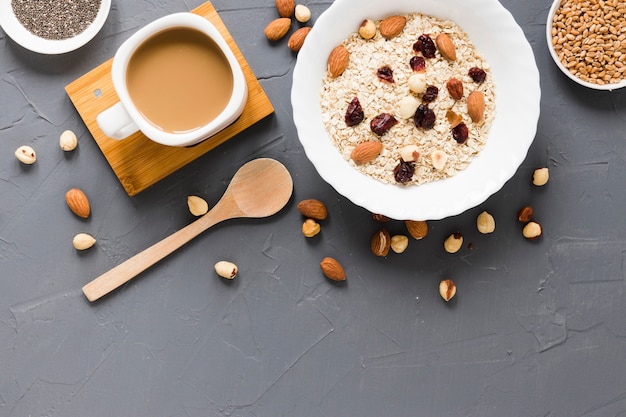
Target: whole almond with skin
{"x":277,"y":28}
{"x":332,"y":269}
{"x":338,"y":61}
{"x":417,"y":228}
{"x":476,"y":106}
{"x":78,"y":203}
{"x":296,"y":40}
{"x":285,"y":7}
{"x":381,"y":243}
{"x":365,"y":152}
{"x":391,"y":26}
{"x":313,"y":209}
{"x":455,"y":88}
{"x":445,"y":46}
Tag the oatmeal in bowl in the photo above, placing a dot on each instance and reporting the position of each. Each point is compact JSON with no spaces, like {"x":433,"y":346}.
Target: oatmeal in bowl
{"x":416,"y":114}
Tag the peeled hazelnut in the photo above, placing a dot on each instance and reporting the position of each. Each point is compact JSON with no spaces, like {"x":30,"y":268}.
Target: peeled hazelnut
{"x":447,"y":289}
{"x":532,"y":230}
{"x":541,"y":176}
{"x":68,"y":141}
{"x":26,"y":155}
{"x":310,"y":228}
{"x":417,"y":82}
{"x":407,"y":107}
{"x":453,"y":243}
{"x":83,"y":241}
{"x":302,"y":13}
{"x":485,"y":223}
{"x":399,"y":243}
{"x":409,"y":153}
{"x":226,"y":269}
{"x":367,"y":30}
{"x":197,"y":205}
{"x":525,"y":214}
{"x":438,"y":159}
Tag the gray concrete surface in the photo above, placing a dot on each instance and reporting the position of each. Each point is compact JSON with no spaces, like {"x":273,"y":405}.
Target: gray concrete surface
{"x":536,"y":329}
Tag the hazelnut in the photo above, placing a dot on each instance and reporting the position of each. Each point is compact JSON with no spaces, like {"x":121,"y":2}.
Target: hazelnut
{"x":407,"y":106}
{"x":310,"y":228}
{"x":541,"y":176}
{"x":485,"y":223}
{"x":438,"y":159}
{"x":68,"y":141}
{"x":453,"y":243}
{"x":532,"y":230}
{"x":417,"y":83}
{"x":367,"y":30}
{"x":525,"y":214}
{"x":399,"y":243}
{"x":447,"y":289}
{"x":302,"y":13}
{"x":26,"y":155}
{"x":409,"y":153}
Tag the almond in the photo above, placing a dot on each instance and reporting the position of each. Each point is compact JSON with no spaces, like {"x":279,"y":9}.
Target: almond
{"x":455,"y":88}
{"x":313,"y":209}
{"x":332,"y":269}
{"x":77,"y":202}
{"x":417,"y":228}
{"x":277,"y":28}
{"x":476,"y":106}
{"x":365,"y":152}
{"x":445,"y":46}
{"x":285,"y":7}
{"x":381,"y":243}
{"x":392,"y":26}
{"x":296,"y":40}
{"x":338,"y":61}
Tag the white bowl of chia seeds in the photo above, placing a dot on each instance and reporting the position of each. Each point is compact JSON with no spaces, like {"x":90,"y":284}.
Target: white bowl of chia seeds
{"x":53,"y":26}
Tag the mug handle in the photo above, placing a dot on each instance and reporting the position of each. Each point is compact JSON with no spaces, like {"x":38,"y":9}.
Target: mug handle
{"x":115,"y":122}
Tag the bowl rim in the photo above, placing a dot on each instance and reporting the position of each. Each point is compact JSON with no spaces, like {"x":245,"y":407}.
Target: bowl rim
{"x":603,"y":87}
{"x":16,"y":31}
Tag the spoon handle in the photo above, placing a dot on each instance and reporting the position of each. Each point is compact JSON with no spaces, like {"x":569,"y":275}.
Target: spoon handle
{"x":133,"y":266}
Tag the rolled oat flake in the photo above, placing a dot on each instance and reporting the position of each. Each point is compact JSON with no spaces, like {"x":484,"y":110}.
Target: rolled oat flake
{"x":55,"y":19}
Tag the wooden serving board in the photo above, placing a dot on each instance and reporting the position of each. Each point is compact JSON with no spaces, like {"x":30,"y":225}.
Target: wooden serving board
{"x":137,"y":161}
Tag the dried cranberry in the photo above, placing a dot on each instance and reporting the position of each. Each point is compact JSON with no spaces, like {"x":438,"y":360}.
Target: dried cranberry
{"x":354,"y":113}
{"x":424,"y":117}
{"x":418,"y":64}
{"x":430,"y":94}
{"x":425,"y":45}
{"x":477,"y":74}
{"x":460,"y":133}
{"x":382,"y":123}
{"x":385,"y":73}
{"x":403,"y":172}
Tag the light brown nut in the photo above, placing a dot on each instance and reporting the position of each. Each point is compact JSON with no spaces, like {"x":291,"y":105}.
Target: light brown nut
{"x":399,"y":243}
{"x":381,"y":243}
{"x":532,"y":230}
{"x":365,"y":152}
{"x":302,"y":13}
{"x":285,"y":8}
{"x":438,"y":158}
{"x":392,"y":26}
{"x":476,"y":106}
{"x":277,"y":28}
{"x":409,"y":153}
{"x":83,"y":241}
{"x":78,"y":202}
{"x":541,"y":176}
{"x":367,"y":30}
{"x":310,"y":228}
{"x":338,"y":61}
{"x":407,"y":106}
{"x":417,"y":82}
{"x":296,"y":40}
{"x":332,"y":269}
{"x":313,"y":209}
{"x":68,"y":141}
{"x":418,"y":229}
{"x":485,"y":223}
{"x":453,"y":243}
{"x":445,"y":46}
{"x":197,"y":205}
{"x":26,"y":155}
{"x":226,"y":269}
{"x":455,"y":88}
{"x":525,"y":214}
{"x":447,"y":289}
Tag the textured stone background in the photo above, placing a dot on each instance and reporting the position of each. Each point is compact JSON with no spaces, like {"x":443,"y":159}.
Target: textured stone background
{"x":537,"y":329}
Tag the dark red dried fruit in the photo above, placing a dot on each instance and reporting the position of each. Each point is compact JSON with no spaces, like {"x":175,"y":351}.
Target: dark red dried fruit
{"x":460,"y":133}
{"x":424,"y":117}
{"x":430,"y":94}
{"x":354,"y":113}
{"x":385,"y":73}
{"x":382,"y":123}
{"x":477,"y":74}
{"x":418,"y":64}
{"x":403,"y":172}
{"x":425,"y":45}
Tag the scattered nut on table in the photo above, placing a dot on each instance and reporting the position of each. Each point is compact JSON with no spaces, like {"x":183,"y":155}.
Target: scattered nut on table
{"x":26,"y":155}
{"x":68,"y":141}
{"x":381,"y":243}
{"x":541,"y":176}
{"x":285,"y":8}
{"x":226,"y":269}
{"x":418,"y":229}
{"x":532,"y":230}
{"x":313,"y":209}
{"x":485,"y":223}
{"x":332,"y":269}
{"x":78,"y":202}
{"x":83,"y":241}
{"x":453,"y":243}
{"x":447,"y":289}
{"x":197,"y":205}
{"x":302,"y":13}
{"x":310,"y":228}
{"x":399,"y":243}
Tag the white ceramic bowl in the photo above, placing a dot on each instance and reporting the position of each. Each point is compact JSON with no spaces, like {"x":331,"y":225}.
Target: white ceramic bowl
{"x":555,"y":6}
{"x":28,"y":40}
{"x":495,"y":33}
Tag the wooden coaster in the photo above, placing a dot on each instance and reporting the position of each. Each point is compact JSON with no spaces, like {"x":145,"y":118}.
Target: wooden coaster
{"x":137,"y":161}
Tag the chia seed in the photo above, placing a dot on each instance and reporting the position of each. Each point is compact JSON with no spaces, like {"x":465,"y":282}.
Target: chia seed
{"x":55,"y":19}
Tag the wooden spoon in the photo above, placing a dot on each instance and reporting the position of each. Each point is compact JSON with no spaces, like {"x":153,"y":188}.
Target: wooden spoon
{"x":258,"y":189}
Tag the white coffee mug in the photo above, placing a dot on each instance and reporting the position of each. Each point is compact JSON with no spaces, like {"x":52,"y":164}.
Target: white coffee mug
{"x":124,"y":118}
